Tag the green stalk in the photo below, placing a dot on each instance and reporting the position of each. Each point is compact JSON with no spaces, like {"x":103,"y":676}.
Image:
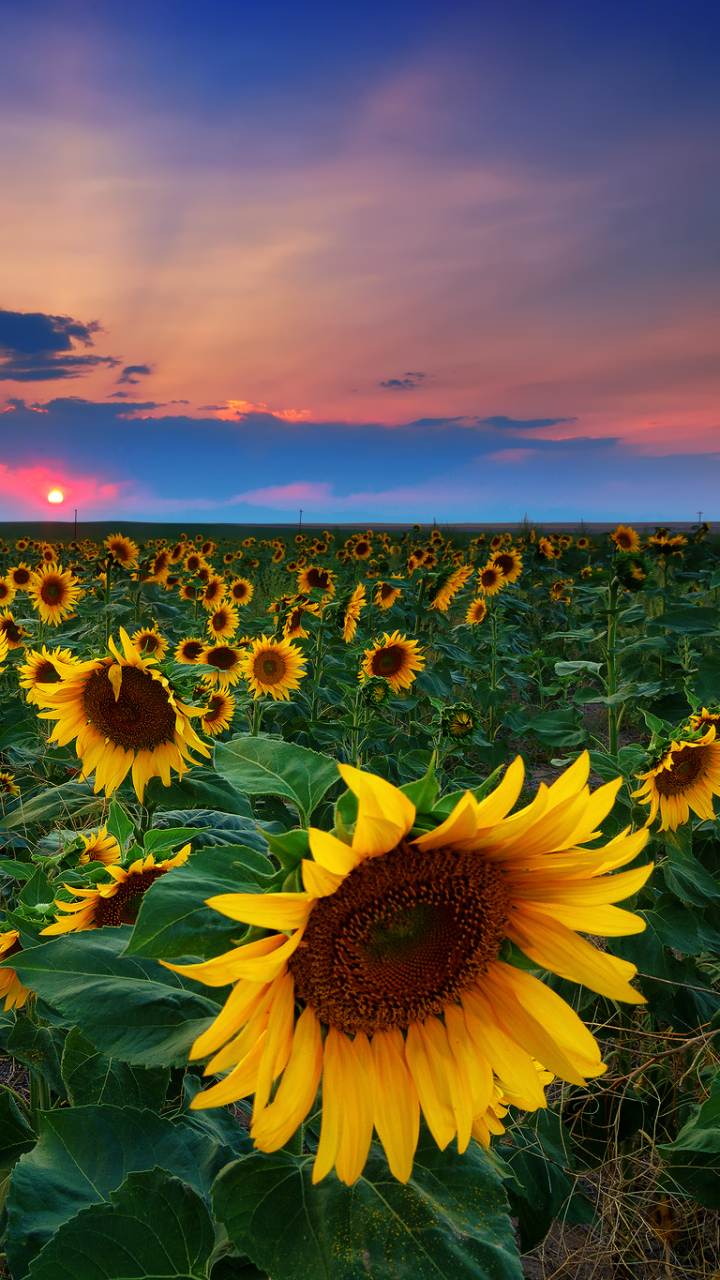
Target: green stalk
{"x":419,"y":604}
{"x":493,"y":664}
{"x":317,"y":671}
{"x":256,"y":717}
{"x":611,"y":682}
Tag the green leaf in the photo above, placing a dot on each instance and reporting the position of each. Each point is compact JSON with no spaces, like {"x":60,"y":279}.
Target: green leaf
{"x":690,"y":882}
{"x":694,"y":1157}
{"x":162,"y":838}
{"x":291,"y":847}
{"x":212,"y":827}
{"x":265,"y":767}
{"x":16,"y":1137}
{"x":85,"y":1153}
{"x":540,"y":1161}
{"x":39,"y":1049}
{"x":118,"y":823}
{"x":174,"y":920}
{"x":155,"y":1228}
{"x":18,"y":870}
{"x":90,"y":1076}
{"x":205,"y":791}
{"x":706,"y":683}
{"x":37,"y":889}
{"x":449,"y":1223}
{"x":425,"y":791}
{"x":51,"y":803}
{"x":131,"y":1008}
{"x":573,"y":668}
{"x":559,"y":728}
{"x":698,"y":620}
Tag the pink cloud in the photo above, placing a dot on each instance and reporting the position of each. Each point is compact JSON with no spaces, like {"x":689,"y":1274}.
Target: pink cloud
{"x":510,"y":455}
{"x":310,"y":492}
{"x":239,"y":408}
{"x":25,"y":489}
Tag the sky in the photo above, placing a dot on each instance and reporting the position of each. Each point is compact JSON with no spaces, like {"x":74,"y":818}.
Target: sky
{"x":375,"y":261}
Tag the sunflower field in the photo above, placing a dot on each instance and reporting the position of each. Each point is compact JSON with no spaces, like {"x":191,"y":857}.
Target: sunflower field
{"x":360,"y":906}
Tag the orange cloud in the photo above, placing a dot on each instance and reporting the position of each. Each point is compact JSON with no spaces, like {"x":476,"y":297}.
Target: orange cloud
{"x":233,"y":409}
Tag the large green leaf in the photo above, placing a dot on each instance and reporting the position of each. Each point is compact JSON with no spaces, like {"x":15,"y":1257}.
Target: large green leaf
{"x":689,"y":620}
{"x":90,"y":1076}
{"x":155,"y":1228}
{"x":130,"y":1008}
{"x":173,"y":919}
{"x":694,"y":1157}
{"x":85,"y":1153}
{"x":449,"y":1223}
{"x":202,"y":789}
{"x":265,"y":767}
{"x":38,"y":1048}
{"x":16,"y":1137}
{"x":215,"y":828}
{"x":51,"y":803}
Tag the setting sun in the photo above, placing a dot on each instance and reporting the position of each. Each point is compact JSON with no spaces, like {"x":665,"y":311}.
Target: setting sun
{"x":55,"y":496}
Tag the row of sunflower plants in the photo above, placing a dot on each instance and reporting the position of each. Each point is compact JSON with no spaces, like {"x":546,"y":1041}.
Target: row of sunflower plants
{"x":312,"y":850}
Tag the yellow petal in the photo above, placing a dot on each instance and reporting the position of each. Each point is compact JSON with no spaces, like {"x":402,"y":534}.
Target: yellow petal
{"x":333,"y":1105}
{"x":357,"y":1127}
{"x":461,"y":825}
{"x":548,"y":1008}
{"x":442,"y":1058}
{"x":220,"y":971}
{"x":331,"y":853}
{"x":499,"y":802}
{"x":397,"y":1110}
{"x":239,"y":1007}
{"x":277,"y":1122}
{"x":278,"y":1042}
{"x":508,"y":1060}
{"x":114,"y":674}
{"x":474,"y":1066}
{"x":269,"y":910}
{"x":557,"y":948}
{"x":385,"y":814}
{"x":238,"y":1084}
{"x":431,"y":1084}
{"x":318,"y":882}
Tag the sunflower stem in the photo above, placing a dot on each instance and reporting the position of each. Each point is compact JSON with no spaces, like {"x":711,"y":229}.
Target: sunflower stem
{"x":20,"y":1101}
{"x":419,"y":604}
{"x":256,"y":718}
{"x":612,"y":672}
{"x":493,"y":666}
{"x":317,"y":671}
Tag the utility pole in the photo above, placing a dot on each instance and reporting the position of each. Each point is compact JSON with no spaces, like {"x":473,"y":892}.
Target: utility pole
{"x":75,"y":534}
{"x":300,"y":524}
{"x":699,"y":516}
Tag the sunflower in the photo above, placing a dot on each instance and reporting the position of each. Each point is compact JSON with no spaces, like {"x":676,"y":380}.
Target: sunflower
{"x":314,"y":578}
{"x":447,"y":589}
{"x":20,"y":576}
{"x":54,"y":593}
{"x":293,"y":628}
{"x":177,"y":552}
{"x":115,"y":902}
{"x":8,"y":786}
{"x":583,"y":544}
{"x":509,"y":563}
{"x":188,"y":591}
{"x":100,"y":847}
{"x":558,"y":590}
{"x":686,"y":777}
{"x":351,"y":614}
{"x":214,"y":594}
{"x":273,"y":666}
{"x":386,"y":595}
{"x":241,"y":591}
{"x":150,"y":643}
{"x":626,"y":538}
{"x":395,"y":659}
{"x":193,"y":562}
{"x":47,"y":667}
{"x":189,"y":649}
{"x":218,"y":713}
{"x":124,"y":715}
{"x":10,"y":985}
{"x":547,"y":549}
{"x":227,"y":662}
{"x":391,"y":958}
{"x":362,"y":549}
{"x":459,"y":721}
{"x":491,"y":579}
{"x":278,"y":555}
{"x":13,"y":634}
{"x":7,"y":590}
{"x":223,"y":622}
{"x":122,"y":549}
{"x":477,"y":611}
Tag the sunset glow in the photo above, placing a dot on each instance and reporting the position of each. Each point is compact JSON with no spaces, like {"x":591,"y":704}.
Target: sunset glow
{"x":55,"y":496}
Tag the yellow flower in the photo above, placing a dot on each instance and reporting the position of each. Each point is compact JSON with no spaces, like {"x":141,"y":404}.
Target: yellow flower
{"x":450,"y":587}
{"x":273,"y":666}
{"x":227,"y":661}
{"x":189,"y":649}
{"x":241,"y":591}
{"x":686,"y":777}
{"x":218,"y":713}
{"x":115,"y":902}
{"x":13,"y":634}
{"x":42,"y":668}
{"x":10,"y":985}
{"x":100,"y":847}
{"x":20,"y":577}
{"x":391,"y":958}
{"x":124,"y":550}
{"x":53,"y":593}
{"x":214,"y":593}
{"x":509,"y":563}
{"x":395,"y":659}
{"x":386,"y":595}
{"x":626,"y":538}
{"x":149,"y":643}
{"x":7,"y":590}
{"x":477,"y":611}
{"x":314,"y":578}
{"x":124,"y":715}
{"x":491,"y":579}
{"x":8,"y":786}
{"x":352,"y":613}
{"x":223,"y":622}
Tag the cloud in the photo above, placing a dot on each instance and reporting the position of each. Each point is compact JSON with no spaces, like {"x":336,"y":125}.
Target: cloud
{"x":515,"y":424}
{"x":310,"y":492}
{"x":24,"y":489}
{"x":233,"y":409}
{"x":510,"y":455}
{"x":130,"y":370}
{"x":408,"y":382}
{"x":35,"y":347}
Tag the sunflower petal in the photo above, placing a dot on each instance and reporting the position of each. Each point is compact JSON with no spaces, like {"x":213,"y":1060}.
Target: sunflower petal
{"x":397,"y":1109}
{"x":269,"y":910}
{"x":385,"y":814}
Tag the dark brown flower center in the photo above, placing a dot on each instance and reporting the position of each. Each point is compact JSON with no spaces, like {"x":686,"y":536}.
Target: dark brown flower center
{"x":124,"y":905}
{"x":51,"y":591}
{"x":148,"y":642}
{"x":401,"y":938}
{"x":318,"y":578}
{"x":687,"y":765}
{"x":387,"y":662}
{"x":269,"y":668}
{"x":192,"y":649}
{"x":140,"y":719}
{"x":216,"y":709}
{"x":11,"y":630}
{"x":46,"y":673}
{"x":222,"y":657}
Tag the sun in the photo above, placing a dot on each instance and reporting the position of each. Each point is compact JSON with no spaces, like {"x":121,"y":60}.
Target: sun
{"x":55,"y":495}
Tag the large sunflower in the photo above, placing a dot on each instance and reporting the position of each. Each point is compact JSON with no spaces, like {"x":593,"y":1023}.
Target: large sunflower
{"x":315,"y":578}
{"x":122,"y":549}
{"x":189,"y":649}
{"x":47,"y":667}
{"x":449,"y":588}
{"x":273,"y":666}
{"x":509,"y":563}
{"x":391,"y":955}
{"x":113,"y":902}
{"x":10,"y":985}
{"x":227,"y":661}
{"x":686,"y":777}
{"x":491,"y":579}
{"x":395,"y":659}
{"x":241,"y":591}
{"x":223,"y":623}
{"x":386,"y":595}
{"x":626,"y":538}
{"x":20,"y":576}
{"x":124,"y":715}
{"x":54,"y":593}
{"x":214,"y":593}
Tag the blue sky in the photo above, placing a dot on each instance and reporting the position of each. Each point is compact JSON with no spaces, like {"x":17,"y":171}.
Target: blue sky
{"x":375,"y":261}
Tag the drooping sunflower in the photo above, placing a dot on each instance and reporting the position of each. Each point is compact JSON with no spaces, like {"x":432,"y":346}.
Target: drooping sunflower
{"x":123,"y":549}
{"x":47,"y":667}
{"x":393,"y":950}
{"x":386,"y":595}
{"x":459,"y":720}
{"x":100,"y":847}
{"x":509,"y":563}
{"x":449,"y":586}
{"x":149,"y":643}
{"x":559,"y":590}
{"x":53,"y":593}
{"x":189,"y":649}
{"x":315,"y":578}
{"x":293,"y":628}
{"x":273,"y":666}
{"x":491,"y":579}
{"x":12,"y":632}
{"x":547,"y":549}
{"x":626,"y":538}
{"x":214,"y":594}
{"x":686,"y":777}
{"x":10,"y":985}
{"x":124,"y":715}
{"x":113,"y":902}
{"x":477,"y":611}
{"x":227,"y":661}
{"x":350,"y":615}
{"x":241,"y":591}
{"x":20,"y":576}
{"x":395,"y":659}
{"x":218,"y":713}
{"x":7,"y":591}
{"x":223,"y":623}
{"x":8,"y":785}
